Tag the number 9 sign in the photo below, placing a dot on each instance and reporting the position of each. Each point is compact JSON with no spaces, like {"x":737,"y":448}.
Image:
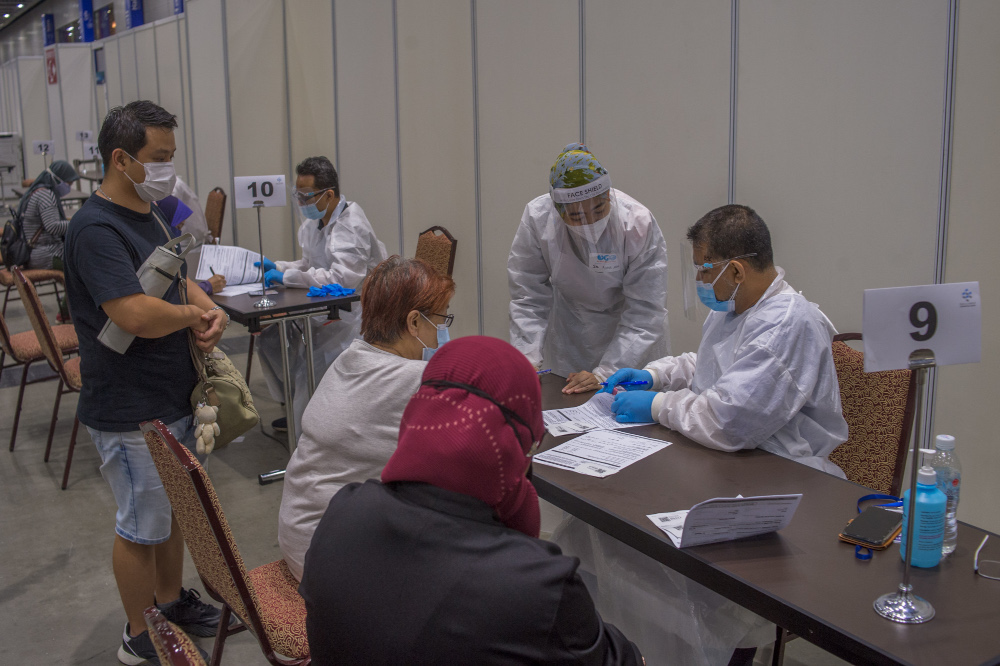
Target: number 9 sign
{"x":255,"y":191}
{"x":945,"y":318}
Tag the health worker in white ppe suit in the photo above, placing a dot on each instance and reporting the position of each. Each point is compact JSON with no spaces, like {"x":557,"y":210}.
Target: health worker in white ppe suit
{"x":588,"y":277}
{"x":338,"y":247}
{"x":763,"y":377}
{"x":764,"y":374}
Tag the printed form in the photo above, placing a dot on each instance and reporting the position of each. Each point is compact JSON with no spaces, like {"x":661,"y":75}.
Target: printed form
{"x":727,"y":519}
{"x":595,"y":414}
{"x":600,"y":453}
{"x":233,"y":263}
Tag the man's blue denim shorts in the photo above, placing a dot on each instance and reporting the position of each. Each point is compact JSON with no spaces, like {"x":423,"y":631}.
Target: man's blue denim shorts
{"x":143,"y":508}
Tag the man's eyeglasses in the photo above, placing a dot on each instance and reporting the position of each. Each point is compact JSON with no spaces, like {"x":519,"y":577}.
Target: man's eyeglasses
{"x":986,"y":568}
{"x":448,"y":318}
{"x":707,"y":266}
{"x":305,"y":197}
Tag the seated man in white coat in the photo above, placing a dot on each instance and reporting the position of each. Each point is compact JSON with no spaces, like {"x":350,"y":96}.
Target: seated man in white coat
{"x":763,"y":377}
{"x":338,"y":246}
{"x":764,"y":374}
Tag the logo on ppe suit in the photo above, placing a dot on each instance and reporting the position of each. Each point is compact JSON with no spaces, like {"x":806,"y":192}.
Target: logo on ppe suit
{"x":601,"y":262}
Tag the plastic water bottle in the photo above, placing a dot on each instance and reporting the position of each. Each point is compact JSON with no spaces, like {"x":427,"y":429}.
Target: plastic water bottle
{"x":949,"y":481}
{"x":929,"y":520}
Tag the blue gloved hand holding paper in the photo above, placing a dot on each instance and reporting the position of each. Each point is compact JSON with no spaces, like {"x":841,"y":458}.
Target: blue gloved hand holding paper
{"x":268,"y":265}
{"x":273,"y":277}
{"x":633,"y":406}
{"x":629,"y":375}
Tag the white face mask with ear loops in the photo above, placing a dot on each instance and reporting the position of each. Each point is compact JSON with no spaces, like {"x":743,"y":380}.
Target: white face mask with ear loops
{"x":159,"y":183}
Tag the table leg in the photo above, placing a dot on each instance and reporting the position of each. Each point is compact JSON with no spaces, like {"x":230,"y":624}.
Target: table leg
{"x":278,"y":474}
{"x":310,"y":370}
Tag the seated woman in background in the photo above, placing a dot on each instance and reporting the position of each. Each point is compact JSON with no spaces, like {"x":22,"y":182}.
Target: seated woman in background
{"x":42,"y":212}
{"x":441,"y":561}
{"x":351,"y":424}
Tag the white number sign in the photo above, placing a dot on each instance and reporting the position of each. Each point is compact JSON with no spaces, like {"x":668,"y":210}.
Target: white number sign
{"x":268,"y":191}
{"x":90,"y":151}
{"x":42,"y":147}
{"x":84,"y":135}
{"x":945,"y":318}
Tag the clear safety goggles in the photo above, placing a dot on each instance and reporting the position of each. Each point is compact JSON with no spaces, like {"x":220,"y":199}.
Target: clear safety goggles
{"x":305,"y":197}
{"x":986,"y":568}
{"x":707,"y":266}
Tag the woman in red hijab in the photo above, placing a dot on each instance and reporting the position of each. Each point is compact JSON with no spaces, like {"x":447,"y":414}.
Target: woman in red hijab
{"x":440,"y":562}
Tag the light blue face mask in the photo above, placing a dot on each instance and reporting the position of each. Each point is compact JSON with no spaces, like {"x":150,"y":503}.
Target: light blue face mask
{"x":442,"y":337}
{"x":706,"y":293}
{"x":311,"y":212}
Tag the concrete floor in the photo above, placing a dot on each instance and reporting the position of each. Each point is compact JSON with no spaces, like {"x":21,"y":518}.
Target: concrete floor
{"x":58,"y":599}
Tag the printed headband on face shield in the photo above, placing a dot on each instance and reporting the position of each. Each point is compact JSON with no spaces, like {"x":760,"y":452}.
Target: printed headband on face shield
{"x":508,"y":413}
{"x":565,"y":195}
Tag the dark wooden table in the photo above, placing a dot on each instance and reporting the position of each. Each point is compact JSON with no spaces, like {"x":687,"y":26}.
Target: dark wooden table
{"x":801,"y":578}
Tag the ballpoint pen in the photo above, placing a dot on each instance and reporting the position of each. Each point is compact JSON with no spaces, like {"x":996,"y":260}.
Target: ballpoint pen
{"x":638,"y":383}
{"x":211,"y":269}
{"x":544,"y":372}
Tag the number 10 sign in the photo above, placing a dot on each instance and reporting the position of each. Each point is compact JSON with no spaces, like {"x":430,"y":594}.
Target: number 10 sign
{"x":945,"y":318}
{"x":269,"y":191}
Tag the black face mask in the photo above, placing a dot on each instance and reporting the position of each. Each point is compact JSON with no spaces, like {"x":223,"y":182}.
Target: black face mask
{"x":509,"y":416}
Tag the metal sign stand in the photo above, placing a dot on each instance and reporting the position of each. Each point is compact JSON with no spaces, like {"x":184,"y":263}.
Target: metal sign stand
{"x":264,"y":301}
{"x":45,"y":161}
{"x":903,"y":606}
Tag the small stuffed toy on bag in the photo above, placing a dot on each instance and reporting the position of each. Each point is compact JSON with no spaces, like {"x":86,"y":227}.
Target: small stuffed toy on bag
{"x":207,"y":429}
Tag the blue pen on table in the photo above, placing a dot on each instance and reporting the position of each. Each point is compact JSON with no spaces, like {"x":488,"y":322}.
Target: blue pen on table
{"x":544,"y":372}
{"x":638,"y":383}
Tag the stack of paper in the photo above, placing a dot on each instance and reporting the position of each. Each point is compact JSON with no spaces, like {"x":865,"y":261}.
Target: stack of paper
{"x":600,"y":452}
{"x":595,"y":414}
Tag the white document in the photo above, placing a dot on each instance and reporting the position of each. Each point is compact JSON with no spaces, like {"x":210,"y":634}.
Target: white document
{"x":600,"y":452}
{"x":233,"y":263}
{"x":596,"y":413}
{"x":252,"y":288}
{"x":726,"y":519}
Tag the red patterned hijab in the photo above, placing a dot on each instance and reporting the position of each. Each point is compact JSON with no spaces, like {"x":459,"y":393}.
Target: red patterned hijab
{"x":470,"y":427}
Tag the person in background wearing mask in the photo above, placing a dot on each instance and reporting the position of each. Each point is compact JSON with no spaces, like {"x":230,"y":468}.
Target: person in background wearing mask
{"x":763,"y":375}
{"x":351,"y":425}
{"x":588,"y":277}
{"x":441,"y":562}
{"x":109,"y":238}
{"x":42,"y":212}
{"x":338,"y":247}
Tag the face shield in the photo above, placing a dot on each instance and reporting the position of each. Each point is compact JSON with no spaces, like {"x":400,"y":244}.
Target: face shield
{"x":694,"y":309}
{"x":587,"y":210}
{"x":313,"y":204}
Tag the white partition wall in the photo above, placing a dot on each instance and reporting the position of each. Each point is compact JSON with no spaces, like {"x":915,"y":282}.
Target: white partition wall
{"x":966,"y":396}
{"x":839,"y":141}
{"x":657,"y":116}
{"x":528,"y":104}
{"x":77,"y":90}
{"x":128,"y":68}
{"x":112,"y":71}
{"x":366,"y":103}
{"x":170,"y":86}
{"x":33,"y":99}
{"x":145,"y":63}
{"x":313,"y":125}
{"x":437,"y":151}
{"x":259,"y":119}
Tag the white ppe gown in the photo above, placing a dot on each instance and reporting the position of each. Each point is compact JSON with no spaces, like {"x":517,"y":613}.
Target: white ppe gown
{"x":764,"y":378}
{"x":577,"y":305}
{"x":342,"y":252}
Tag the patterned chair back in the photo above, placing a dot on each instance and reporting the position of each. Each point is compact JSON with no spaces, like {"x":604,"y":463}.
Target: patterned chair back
{"x":43,"y":329}
{"x":205,"y":528}
{"x":173,"y":646}
{"x":215,"y":212}
{"x":437,"y":249}
{"x":878,"y":408}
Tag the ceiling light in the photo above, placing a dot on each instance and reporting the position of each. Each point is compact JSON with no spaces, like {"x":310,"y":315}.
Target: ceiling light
{"x":20,"y":6}
{"x":6,"y":15}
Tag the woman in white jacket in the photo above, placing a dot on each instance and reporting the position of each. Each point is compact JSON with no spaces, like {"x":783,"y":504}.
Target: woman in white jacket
{"x":350,"y":427}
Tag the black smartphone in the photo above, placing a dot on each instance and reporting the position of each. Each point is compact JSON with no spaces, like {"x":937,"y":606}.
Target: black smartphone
{"x":874,"y":525}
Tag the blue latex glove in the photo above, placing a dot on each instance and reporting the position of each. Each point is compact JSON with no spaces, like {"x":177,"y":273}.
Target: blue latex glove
{"x":268,"y":265}
{"x":633,"y":406}
{"x":629,"y":375}
{"x":273,"y":277}
{"x":333,"y":289}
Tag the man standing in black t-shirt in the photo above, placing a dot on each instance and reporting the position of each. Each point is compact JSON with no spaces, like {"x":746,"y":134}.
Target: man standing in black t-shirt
{"x":108,"y":240}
